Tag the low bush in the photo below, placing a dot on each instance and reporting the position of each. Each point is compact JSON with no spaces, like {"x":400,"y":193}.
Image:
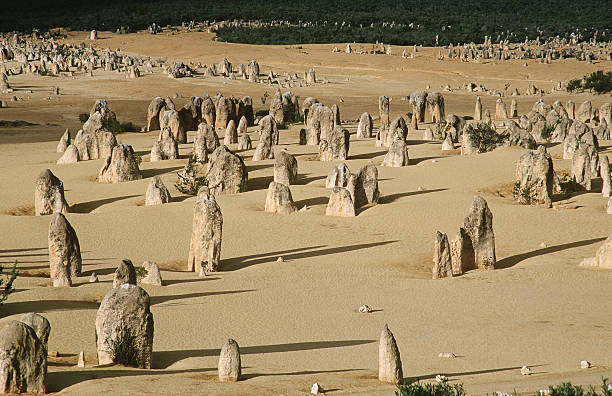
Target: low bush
{"x":430,"y":389}
{"x":124,"y":349}
{"x":483,"y":137}
{"x":188,"y":180}
{"x":6,"y":283}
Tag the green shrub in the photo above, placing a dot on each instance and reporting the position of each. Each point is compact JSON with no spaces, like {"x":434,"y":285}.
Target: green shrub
{"x":568,"y":185}
{"x":483,"y":137}
{"x":112,"y":125}
{"x":599,"y":82}
{"x":292,"y":114}
{"x":430,"y":389}
{"x":547,"y":131}
{"x":262,"y":113}
{"x":141,"y":272}
{"x":574,"y":85}
{"x":124,"y":350}
{"x":129,"y":127}
{"x":188,"y":180}
{"x":83,"y":117}
{"x":523,"y":195}
{"x":6,"y":283}
{"x":567,"y":389}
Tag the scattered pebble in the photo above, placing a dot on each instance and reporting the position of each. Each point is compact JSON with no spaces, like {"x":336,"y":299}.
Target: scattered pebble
{"x":93,"y":278}
{"x":420,"y":188}
{"x":434,"y":160}
{"x":280,"y":259}
{"x":585,"y":364}
{"x":441,"y":378}
{"x":525,"y":370}
{"x":316,"y":389}
{"x":365,"y":309}
{"x":304,"y":208}
{"x":543,"y":245}
{"x":448,"y":355}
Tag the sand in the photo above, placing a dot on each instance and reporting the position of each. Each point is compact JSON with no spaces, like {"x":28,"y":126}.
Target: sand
{"x":297,"y":321}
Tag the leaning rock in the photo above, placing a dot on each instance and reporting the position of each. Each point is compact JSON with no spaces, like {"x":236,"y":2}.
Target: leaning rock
{"x":153,"y":275}
{"x":285,"y":168}
{"x":155,"y":107}
{"x":49,"y":194}
{"x":165,"y":147}
{"x":397,"y":155}
{"x":231,"y":133}
{"x":479,"y":226}
{"x":462,"y":253}
{"x":366,"y":186}
{"x":125,"y":314}
{"x":227,"y":173}
{"x":205,"y":244}
{"x":340,"y":203}
{"x":125,"y":273}
{"x":229,"y":362}
{"x":442,"y":267}
{"x":205,"y":142}
{"x":64,"y":142}
{"x":23,"y":358}
{"x":171,"y":119}
{"x":64,"y":252}
{"x":535,"y":178}
{"x":121,"y":166}
{"x":71,"y":156}
{"x":157,"y":193}
{"x":279,"y":199}
{"x":39,"y":324}
{"x":389,"y":361}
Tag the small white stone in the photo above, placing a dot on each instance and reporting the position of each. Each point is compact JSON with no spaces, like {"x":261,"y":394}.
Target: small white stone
{"x":525,"y":370}
{"x":544,"y":392}
{"x":434,"y":161}
{"x":420,"y":188}
{"x":585,"y":364}
{"x":280,"y":259}
{"x":81,"y":362}
{"x":316,"y":389}
{"x":93,"y":278}
{"x":441,"y":378}
{"x":365,"y":309}
{"x":447,"y":355}
{"x":543,"y":245}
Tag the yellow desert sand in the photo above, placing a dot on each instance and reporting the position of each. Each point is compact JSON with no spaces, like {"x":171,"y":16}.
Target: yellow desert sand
{"x":297,"y":319}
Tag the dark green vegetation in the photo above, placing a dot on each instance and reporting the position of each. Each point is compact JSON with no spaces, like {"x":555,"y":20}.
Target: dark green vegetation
{"x":430,"y":389}
{"x":124,"y":349}
{"x":599,"y":82}
{"x":6,"y":283}
{"x":564,"y":389}
{"x":189,"y":179}
{"x":483,"y":137}
{"x":332,"y":21}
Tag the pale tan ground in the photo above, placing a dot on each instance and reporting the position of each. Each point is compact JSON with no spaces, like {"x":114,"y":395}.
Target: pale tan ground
{"x":297,"y":321}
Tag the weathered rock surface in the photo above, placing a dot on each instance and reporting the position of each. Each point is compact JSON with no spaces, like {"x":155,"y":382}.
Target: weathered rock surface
{"x":49,"y":195}
{"x":603,"y":256}
{"x":478,"y":226}
{"x":335,"y":146}
{"x":64,"y":142}
{"x":366,"y":186}
{"x":153,"y":276}
{"x":23,"y":359}
{"x":70,"y":156}
{"x":229,"y":362}
{"x":397,"y":155}
{"x":121,"y":166}
{"x":285,"y":168}
{"x":364,"y":129}
{"x":227,"y":173}
{"x":389,"y":360}
{"x":205,"y":244}
{"x":64,"y":252}
{"x":157,"y":193}
{"x":39,"y":324}
{"x":125,"y":273}
{"x":279,"y":199}
{"x":340,"y":203}
{"x":535,"y":177}
{"x":125,"y":314}
{"x":442,"y":267}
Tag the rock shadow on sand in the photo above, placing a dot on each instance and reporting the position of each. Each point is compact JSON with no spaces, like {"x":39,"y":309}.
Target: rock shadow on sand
{"x":90,"y":206}
{"x":237,"y":263}
{"x":164,"y":359}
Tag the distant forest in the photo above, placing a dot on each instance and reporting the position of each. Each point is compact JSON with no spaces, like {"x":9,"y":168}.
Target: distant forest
{"x":394,"y":21}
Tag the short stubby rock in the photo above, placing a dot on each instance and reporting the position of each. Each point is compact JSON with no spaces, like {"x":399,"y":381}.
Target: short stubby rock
{"x":121,"y":166}
{"x":49,"y":195}
{"x":23,"y":359}
{"x":335,"y":146}
{"x":39,"y":324}
{"x":157,"y":193}
{"x":340,"y":203}
{"x":125,"y":273}
{"x":285,"y":168}
{"x":70,"y":156}
{"x":153,"y":276}
{"x":535,"y":178}
{"x":229,"y":362}
{"x":397,"y":156}
{"x":366,"y":186}
{"x":124,"y":327}
{"x":227,"y":173}
{"x":279,"y":199}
